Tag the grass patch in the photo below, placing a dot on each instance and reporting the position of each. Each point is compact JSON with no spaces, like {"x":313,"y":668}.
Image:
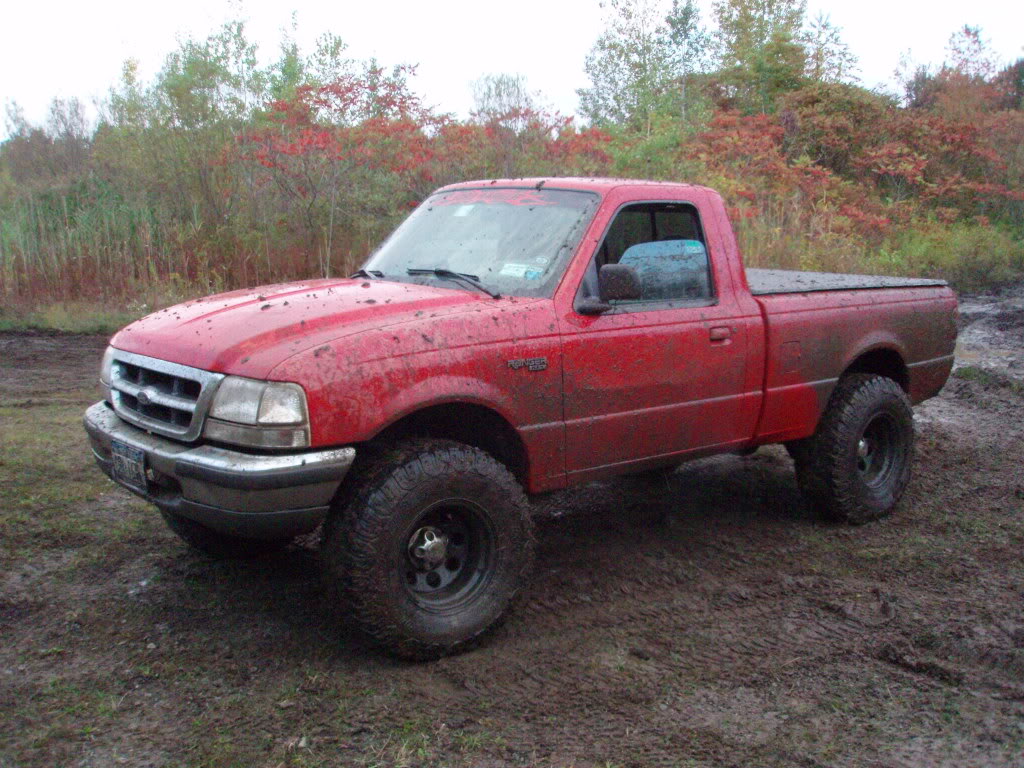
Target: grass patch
{"x":46,"y":470}
{"x":58,"y":717}
{"x":990,"y":379}
{"x":970,"y":256}
{"x":71,"y":317}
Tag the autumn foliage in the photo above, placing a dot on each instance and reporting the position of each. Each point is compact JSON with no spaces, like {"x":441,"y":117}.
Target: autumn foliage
{"x":843,"y":170}
{"x":210,"y":179}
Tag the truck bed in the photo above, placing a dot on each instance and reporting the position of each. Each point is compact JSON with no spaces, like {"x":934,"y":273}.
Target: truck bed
{"x":769,"y":281}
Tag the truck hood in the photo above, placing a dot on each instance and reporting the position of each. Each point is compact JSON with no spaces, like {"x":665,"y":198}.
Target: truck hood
{"x":248,"y":333}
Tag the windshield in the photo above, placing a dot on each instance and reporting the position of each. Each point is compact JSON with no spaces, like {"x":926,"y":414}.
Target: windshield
{"x":516,"y":241}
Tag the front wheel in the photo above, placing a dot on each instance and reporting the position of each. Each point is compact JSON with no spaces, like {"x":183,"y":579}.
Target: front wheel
{"x":856,"y":466}
{"x":428,"y":547}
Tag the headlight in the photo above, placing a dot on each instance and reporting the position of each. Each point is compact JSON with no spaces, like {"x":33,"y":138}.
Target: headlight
{"x":105,"y":366}
{"x":261,"y":414}
{"x":105,"y":373}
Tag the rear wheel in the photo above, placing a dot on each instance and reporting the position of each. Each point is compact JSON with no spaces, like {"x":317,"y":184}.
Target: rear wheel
{"x":428,"y":547}
{"x":220,"y":545}
{"x":856,"y":466}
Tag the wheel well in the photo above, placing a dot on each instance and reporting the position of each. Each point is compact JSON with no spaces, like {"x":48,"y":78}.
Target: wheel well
{"x":883,"y":362}
{"x":467,"y":423}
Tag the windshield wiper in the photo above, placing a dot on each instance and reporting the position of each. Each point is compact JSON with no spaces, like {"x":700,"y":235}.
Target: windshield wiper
{"x":459,"y":276}
{"x":367,"y":273}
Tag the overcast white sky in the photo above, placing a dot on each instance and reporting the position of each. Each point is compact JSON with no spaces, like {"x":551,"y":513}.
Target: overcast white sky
{"x":60,"y":48}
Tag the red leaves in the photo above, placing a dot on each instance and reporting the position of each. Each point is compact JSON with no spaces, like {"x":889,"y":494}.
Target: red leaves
{"x":837,"y":164}
{"x":863,"y":219}
{"x":895,"y":161}
{"x":372,"y":123}
{"x":850,"y":159}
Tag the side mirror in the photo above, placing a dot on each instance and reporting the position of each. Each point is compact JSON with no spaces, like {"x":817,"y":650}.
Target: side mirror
{"x":619,"y":282}
{"x":616,"y":282}
{"x":590,"y":306}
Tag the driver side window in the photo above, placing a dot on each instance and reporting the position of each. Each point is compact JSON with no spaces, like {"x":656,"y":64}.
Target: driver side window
{"x":664,"y":244}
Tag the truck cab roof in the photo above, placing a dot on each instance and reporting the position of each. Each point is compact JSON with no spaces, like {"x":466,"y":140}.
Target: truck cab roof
{"x":584,"y":184}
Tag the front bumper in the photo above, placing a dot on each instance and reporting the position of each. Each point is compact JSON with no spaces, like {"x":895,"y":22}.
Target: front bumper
{"x":261,"y":496}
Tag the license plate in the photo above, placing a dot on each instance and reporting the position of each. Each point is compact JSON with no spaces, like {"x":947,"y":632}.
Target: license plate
{"x":129,"y":465}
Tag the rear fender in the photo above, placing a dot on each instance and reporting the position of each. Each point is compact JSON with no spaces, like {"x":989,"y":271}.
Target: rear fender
{"x":875,"y":341}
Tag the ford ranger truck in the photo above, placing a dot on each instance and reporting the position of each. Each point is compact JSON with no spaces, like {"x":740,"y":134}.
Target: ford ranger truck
{"x":509,"y":338}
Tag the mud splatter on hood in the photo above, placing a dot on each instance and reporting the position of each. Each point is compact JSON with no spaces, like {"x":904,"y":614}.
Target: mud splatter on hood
{"x":249,"y":332}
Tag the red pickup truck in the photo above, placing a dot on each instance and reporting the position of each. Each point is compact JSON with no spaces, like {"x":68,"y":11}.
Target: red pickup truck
{"x":509,"y":338}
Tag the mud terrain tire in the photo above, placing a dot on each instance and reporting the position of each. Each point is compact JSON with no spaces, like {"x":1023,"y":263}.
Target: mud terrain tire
{"x":218,"y":545}
{"x":856,"y":466}
{"x":428,"y":548}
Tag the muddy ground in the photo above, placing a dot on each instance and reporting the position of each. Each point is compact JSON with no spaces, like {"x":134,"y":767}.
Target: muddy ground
{"x":739,"y":632}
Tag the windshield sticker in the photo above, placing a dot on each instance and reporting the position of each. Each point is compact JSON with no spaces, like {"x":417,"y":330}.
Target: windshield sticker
{"x":524,"y":271}
{"x":507,"y":196}
{"x":463,"y":210}
{"x":515,"y":270}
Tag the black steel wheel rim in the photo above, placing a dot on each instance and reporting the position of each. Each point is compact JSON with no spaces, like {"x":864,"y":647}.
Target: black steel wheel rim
{"x":880,"y":450}
{"x":448,"y":555}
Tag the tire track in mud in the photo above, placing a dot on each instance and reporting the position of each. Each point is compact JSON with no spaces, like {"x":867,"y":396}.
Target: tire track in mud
{"x":572,"y":695}
{"x":655,"y":644}
{"x":623,"y":617}
{"x":585,"y":658}
{"x":596,"y":694}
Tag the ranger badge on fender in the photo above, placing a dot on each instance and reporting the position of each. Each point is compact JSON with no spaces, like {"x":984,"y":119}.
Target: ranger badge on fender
{"x":529,"y":363}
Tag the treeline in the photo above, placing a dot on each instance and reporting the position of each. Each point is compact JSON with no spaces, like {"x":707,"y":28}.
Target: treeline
{"x":223,"y":173}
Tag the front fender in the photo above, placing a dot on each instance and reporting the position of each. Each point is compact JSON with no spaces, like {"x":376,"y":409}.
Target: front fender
{"x":441,"y":390}
{"x":356,"y":391}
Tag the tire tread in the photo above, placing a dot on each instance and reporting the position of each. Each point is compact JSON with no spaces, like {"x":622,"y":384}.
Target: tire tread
{"x":364,"y":508}
{"x":821,"y":461}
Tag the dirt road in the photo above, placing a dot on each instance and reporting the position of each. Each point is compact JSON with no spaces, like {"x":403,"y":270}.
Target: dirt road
{"x":738,"y":632}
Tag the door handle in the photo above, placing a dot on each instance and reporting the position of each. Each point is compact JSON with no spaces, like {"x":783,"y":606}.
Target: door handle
{"x":720,"y":333}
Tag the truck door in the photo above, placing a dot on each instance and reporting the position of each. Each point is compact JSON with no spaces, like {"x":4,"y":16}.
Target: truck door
{"x":661,"y":376}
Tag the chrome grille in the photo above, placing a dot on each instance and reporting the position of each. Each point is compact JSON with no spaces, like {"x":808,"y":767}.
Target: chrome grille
{"x":166,"y":398}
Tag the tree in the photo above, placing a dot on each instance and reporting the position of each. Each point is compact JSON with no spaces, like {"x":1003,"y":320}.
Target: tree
{"x":691,"y":43}
{"x":969,"y":76}
{"x":25,"y":152}
{"x":917,"y":81}
{"x":744,"y":26}
{"x":829,"y":59}
{"x":337,"y":154}
{"x":326,"y":64}
{"x":1011,"y":83}
{"x":692,"y":55}
{"x":639,"y":64}
{"x":759,"y":51}
{"x":507,"y":110}
{"x":50,"y":156}
{"x":970,"y":54}
{"x":501,"y":97}
{"x":968,"y":83}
